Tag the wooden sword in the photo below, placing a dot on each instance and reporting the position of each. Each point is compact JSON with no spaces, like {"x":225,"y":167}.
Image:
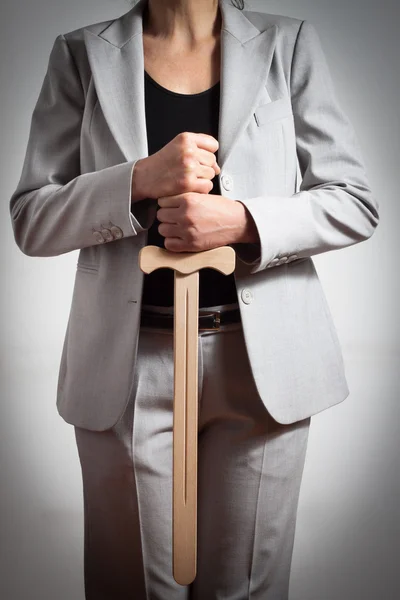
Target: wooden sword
{"x":186,"y":266}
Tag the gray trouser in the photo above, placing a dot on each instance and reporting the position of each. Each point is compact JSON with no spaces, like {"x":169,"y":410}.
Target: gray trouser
{"x":249,"y":475}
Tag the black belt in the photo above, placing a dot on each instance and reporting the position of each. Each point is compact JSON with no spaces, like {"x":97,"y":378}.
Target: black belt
{"x":208,"y":320}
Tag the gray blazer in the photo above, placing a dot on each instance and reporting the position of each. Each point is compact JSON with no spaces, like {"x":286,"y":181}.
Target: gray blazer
{"x":278,"y":109}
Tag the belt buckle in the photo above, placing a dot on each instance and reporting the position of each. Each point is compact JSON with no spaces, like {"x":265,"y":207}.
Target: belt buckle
{"x":217,"y":320}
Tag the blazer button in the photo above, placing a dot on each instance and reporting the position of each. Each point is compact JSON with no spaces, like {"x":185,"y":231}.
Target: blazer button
{"x":116,"y":231}
{"x":246,"y":296}
{"x":98,"y":237}
{"x":107,"y":235}
{"x":227,"y":182}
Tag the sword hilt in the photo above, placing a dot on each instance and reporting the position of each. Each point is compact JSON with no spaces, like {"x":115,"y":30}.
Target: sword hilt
{"x":221,"y":259}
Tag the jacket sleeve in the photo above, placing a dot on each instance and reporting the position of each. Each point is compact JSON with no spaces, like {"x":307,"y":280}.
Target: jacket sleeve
{"x":55,"y":209}
{"x":334,"y":206}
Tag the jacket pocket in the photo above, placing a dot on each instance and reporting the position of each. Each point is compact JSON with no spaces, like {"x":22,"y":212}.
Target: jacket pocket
{"x":273,"y":111}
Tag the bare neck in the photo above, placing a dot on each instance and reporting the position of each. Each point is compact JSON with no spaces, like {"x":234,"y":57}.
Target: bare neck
{"x":183,"y":23}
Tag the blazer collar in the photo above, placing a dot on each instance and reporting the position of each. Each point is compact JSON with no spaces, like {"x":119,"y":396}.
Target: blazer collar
{"x":117,"y":62}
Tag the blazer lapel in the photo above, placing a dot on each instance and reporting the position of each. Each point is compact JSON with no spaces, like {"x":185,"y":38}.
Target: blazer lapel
{"x":117,"y":63}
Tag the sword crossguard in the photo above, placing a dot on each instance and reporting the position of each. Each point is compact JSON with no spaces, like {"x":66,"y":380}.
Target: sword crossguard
{"x":221,"y":259}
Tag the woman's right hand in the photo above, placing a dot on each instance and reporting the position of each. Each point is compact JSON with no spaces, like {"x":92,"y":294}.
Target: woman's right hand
{"x":186,"y":164}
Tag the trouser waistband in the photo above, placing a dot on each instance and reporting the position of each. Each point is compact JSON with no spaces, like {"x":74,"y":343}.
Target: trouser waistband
{"x":210,"y":318}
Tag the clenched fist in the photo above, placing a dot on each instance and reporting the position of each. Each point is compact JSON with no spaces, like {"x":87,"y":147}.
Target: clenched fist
{"x":186,"y":164}
{"x":192,"y":222}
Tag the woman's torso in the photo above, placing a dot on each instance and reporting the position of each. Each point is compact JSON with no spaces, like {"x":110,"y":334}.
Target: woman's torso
{"x":182,"y":94}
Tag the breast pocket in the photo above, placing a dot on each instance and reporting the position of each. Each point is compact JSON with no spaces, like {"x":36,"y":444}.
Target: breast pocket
{"x":273,"y":111}
{"x":271,"y":148}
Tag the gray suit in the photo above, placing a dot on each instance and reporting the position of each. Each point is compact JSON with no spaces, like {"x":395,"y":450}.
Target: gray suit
{"x":116,"y":386}
{"x":277,"y":105}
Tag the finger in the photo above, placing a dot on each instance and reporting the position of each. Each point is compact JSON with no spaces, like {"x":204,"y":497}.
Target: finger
{"x":169,"y":201}
{"x":167,"y":215}
{"x":170,"y":230}
{"x":174,"y":244}
{"x":203,"y":172}
{"x":208,"y":159}
{"x":208,"y":142}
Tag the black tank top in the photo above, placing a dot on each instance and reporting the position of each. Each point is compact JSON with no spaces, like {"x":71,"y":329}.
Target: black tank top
{"x":169,"y":113}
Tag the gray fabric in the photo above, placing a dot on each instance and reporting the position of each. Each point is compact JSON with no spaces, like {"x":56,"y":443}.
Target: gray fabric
{"x":278,"y":107}
{"x":249,"y":475}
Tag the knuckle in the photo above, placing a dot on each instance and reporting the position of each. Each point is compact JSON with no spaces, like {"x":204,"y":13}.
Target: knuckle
{"x":192,"y":236}
{"x":185,"y":138}
{"x":185,"y":181}
{"x":187,"y":208}
{"x":187,"y":158}
{"x":189,"y":198}
{"x":188,"y":162}
{"x":187,"y":221}
{"x":196,"y":245}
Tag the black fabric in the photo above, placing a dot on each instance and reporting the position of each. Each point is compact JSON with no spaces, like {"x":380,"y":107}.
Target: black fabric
{"x":168,"y":114}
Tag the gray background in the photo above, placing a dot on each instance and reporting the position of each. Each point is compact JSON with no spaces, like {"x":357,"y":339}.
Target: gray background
{"x":347,"y":542}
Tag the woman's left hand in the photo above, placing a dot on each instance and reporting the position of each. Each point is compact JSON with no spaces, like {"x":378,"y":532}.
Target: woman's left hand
{"x":192,"y":222}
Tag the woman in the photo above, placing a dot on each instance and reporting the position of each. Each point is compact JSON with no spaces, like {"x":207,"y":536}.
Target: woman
{"x":180,"y":125}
